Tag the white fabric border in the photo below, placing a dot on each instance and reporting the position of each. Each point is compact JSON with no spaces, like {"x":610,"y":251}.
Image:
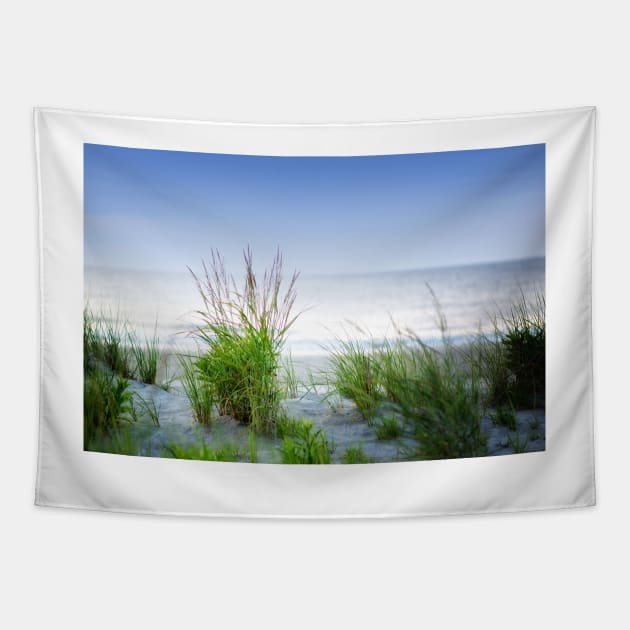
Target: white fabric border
{"x":562,"y":476}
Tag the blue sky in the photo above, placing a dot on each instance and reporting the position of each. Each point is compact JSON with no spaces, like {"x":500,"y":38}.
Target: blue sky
{"x":164,"y":210}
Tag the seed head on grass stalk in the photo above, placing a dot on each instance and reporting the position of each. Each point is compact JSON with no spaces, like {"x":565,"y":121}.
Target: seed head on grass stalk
{"x":244,"y":327}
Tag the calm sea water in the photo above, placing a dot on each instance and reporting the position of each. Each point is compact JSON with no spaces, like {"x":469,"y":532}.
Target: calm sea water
{"x":332,"y":305}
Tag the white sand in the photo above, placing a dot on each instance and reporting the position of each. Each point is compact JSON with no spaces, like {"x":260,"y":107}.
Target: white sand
{"x":342,"y":424}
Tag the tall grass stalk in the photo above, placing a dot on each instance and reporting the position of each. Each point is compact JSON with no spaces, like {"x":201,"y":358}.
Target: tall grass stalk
{"x":441,"y":401}
{"x":524,"y":343}
{"x":487,"y":356}
{"x":113,"y":335}
{"x":511,"y":359}
{"x":124,"y":440}
{"x":145,"y":408}
{"x":356,"y":455}
{"x":105,"y":340}
{"x":354,"y":375}
{"x":304,"y":445}
{"x":389,"y":428}
{"x":243,"y":327}
{"x":227,"y":452}
{"x":107,"y":404}
{"x":197,"y":390}
{"x":252,"y":447}
{"x":91,"y":342}
{"x":146,"y":355}
{"x":394,"y":362}
{"x":519,"y":444}
{"x":289,"y":378}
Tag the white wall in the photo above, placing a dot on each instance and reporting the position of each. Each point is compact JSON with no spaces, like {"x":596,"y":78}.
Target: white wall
{"x":319,"y":61}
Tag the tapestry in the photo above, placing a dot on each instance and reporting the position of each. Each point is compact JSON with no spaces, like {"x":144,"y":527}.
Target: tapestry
{"x":316,"y":320}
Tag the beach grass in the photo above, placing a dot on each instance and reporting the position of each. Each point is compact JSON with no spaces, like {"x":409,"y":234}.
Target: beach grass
{"x":437,"y":395}
{"x":435,"y":391}
{"x":302,"y":444}
{"x":107,"y":404}
{"x":388,"y":428}
{"x":107,"y":399}
{"x":511,"y":358}
{"x":112,"y":348}
{"x":524,"y":343}
{"x":227,"y":452}
{"x":441,"y":393}
{"x":290,"y":381}
{"x":91,"y":342}
{"x":355,"y":375}
{"x":252,"y":447}
{"x":108,"y":339}
{"x":286,"y":426}
{"x":356,"y":455}
{"x":488,"y":357}
{"x":243,"y":329}
{"x":441,"y":402}
{"x":146,"y":356}
{"x":125,"y":439}
{"x":197,"y":389}
{"x":394,"y":362}
{"x":143,"y":409}
{"x":518,"y":443}
{"x":505,"y":416}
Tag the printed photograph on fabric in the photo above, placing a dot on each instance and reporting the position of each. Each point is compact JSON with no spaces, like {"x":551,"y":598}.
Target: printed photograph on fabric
{"x":314,"y":310}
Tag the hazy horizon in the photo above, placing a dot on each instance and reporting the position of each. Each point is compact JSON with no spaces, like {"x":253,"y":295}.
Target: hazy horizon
{"x":289,"y":270}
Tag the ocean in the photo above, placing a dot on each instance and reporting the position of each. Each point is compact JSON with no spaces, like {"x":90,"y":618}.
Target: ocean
{"x":363,"y":306}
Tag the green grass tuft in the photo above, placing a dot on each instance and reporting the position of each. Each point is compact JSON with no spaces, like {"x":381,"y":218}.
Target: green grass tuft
{"x":511,"y":359}
{"x":517,"y":443}
{"x":289,"y":378}
{"x":524,"y":343}
{"x":197,"y":390}
{"x":488,"y":357}
{"x":356,"y":455}
{"x":123,"y":440}
{"x":505,"y":416}
{"x":107,"y":403}
{"x":145,"y":409}
{"x":388,"y":428}
{"x":114,"y":350}
{"x":305,"y":446}
{"x":146,"y":355}
{"x":394,"y":363}
{"x":253,"y":449}
{"x":354,"y":375}
{"x":201,"y":451}
{"x":286,"y":426}
{"x":105,"y":342}
{"x":243,"y":329}
{"x":439,"y":398}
